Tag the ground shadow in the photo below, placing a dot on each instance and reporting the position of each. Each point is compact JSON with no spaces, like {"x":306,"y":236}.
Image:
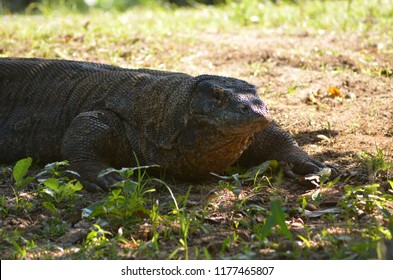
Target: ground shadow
{"x":312,"y":137}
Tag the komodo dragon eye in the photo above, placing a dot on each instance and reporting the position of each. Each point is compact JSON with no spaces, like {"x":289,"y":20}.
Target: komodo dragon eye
{"x":218,"y":93}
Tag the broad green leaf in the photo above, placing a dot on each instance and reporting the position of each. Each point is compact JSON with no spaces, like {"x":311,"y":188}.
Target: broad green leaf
{"x":126,"y":172}
{"x":116,"y":192}
{"x":49,"y":192}
{"x":27,"y":181}
{"x":91,"y":235}
{"x":94,"y":210}
{"x":75,"y":187}
{"x":20,"y":169}
{"x":48,"y":205}
{"x":52,"y":183}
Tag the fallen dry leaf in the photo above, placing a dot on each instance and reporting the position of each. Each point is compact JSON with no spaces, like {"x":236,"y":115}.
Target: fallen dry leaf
{"x":335,"y":92}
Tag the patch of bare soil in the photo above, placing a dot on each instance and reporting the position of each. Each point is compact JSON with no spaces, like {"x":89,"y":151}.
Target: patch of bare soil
{"x":293,"y":74}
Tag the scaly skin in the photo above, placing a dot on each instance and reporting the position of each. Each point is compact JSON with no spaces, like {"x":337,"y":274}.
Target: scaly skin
{"x":99,"y":116}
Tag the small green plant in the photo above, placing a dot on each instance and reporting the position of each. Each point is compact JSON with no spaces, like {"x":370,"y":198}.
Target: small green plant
{"x":58,"y":188}
{"x":185,"y":222}
{"x":126,"y":203}
{"x":21,"y":179}
{"x":102,"y":244}
{"x":378,"y":166}
{"x":238,"y":176}
{"x":98,"y":236}
{"x":15,"y":242}
{"x":54,"y":226}
{"x":364,"y":199}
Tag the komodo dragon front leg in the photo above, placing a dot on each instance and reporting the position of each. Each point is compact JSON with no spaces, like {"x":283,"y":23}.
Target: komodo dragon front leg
{"x":275,"y":143}
{"x":93,"y":142}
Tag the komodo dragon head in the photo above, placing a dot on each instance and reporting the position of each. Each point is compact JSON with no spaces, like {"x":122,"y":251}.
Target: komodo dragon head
{"x":222,"y":116}
{"x":228,"y":105}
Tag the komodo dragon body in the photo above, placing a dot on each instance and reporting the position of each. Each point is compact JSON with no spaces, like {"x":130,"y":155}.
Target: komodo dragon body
{"x":99,"y":116}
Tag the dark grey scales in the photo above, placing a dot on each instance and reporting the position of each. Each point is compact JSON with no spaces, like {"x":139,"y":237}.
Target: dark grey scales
{"x":98,"y":116}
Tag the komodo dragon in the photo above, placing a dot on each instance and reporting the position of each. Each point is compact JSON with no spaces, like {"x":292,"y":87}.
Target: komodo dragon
{"x":97,"y":116}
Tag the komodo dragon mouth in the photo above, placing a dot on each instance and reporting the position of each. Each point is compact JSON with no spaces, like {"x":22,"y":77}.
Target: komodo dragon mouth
{"x":233,"y":129}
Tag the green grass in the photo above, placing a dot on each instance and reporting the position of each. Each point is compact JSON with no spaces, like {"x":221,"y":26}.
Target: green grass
{"x":61,"y":24}
{"x":344,"y":15}
{"x":155,"y":36}
{"x":172,"y":232}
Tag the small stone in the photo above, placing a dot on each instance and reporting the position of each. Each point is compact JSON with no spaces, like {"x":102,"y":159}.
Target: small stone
{"x":297,"y":225}
{"x":74,"y":236}
{"x":299,"y":220}
{"x":83,"y":224}
{"x":321,"y":137}
{"x":260,"y":218}
{"x":311,"y":207}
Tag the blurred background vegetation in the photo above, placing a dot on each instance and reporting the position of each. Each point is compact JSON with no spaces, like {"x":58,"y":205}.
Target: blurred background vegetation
{"x":36,"y":6}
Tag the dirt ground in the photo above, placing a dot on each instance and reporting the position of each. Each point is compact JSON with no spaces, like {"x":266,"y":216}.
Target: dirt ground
{"x":293,"y":73}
